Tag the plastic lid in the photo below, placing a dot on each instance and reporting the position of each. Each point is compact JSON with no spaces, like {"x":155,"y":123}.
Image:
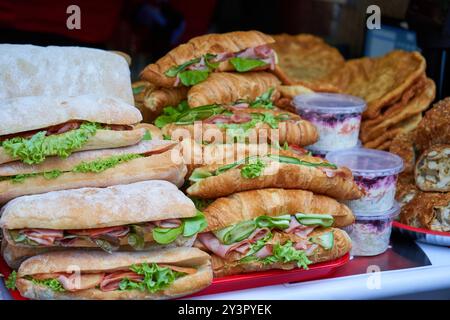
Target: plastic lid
{"x":391,"y":213}
{"x":364,"y":161}
{"x":329,"y":103}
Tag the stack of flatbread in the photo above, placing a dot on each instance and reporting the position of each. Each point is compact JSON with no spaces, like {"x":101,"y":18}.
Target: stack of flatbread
{"x":424,"y":186}
{"x":396,"y":90}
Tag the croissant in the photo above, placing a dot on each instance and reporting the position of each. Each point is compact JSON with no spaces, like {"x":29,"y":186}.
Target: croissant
{"x":336,"y":183}
{"x":227,"y":87}
{"x":247,"y":205}
{"x":157,"y":100}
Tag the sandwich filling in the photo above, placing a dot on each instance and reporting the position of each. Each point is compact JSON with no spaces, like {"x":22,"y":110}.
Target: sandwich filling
{"x":269,"y":240}
{"x":197,"y":70}
{"x":32,"y":147}
{"x":111,"y":238}
{"x":143,"y":277}
{"x":256,"y":166}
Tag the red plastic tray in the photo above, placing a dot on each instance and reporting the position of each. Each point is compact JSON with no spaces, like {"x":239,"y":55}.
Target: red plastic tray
{"x":424,"y":235}
{"x":247,"y":280}
{"x":272,"y":277}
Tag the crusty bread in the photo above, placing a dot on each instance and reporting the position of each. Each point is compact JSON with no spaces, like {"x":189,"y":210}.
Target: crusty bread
{"x":248,"y":205}
{"x":155,"y":167}
{"x":27,"y":70}
{"x":103,"y":139}
{"x":337,"y":183}
{"x":342,"y":245}
{"x":94,"y":261}
{"x":228,"y":87}
{"x":230,"y":42}
{"x":32,"y":113}
{"x":98,"y":207}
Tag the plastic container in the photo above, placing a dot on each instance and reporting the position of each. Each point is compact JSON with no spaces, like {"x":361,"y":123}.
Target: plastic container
{"x":337,"y":117}
{"x":370,"y":234}
{"x":323,"y":153}
{"x":375,"y":172}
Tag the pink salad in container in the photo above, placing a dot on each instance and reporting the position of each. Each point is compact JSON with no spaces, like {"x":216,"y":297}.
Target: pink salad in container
{"x":370,"y":234}
{"x":376,"y":174}
{"x":337,"y":117}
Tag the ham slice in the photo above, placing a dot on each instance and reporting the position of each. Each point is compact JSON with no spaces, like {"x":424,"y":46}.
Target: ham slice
{"x":76,"y":282}
{"x":218,"y":119}
{"x":265,"y":251}
{"x":117,"y":232}
{"x":240,"y":118}
{"x":179,"y":269}
{"x":298,"y":229}
{"x":210,"y":241}
{"x":111,"y":281}
{"x":45,"y":237}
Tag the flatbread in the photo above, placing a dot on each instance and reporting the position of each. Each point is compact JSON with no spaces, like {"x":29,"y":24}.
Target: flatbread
{"x":305,"y":57}
{"x":380,"y":81}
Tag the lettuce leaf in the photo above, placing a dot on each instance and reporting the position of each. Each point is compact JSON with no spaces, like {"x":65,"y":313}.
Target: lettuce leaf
{"x":246,"y":64}
{"x":104,"y":164}
{"x":172,"y":72}
{"x":199,"y":174}
{"x":281,"y":253}
{"x":34,"y":150}
{"x":136,"y":237}
{"x":53,"y":284}
{"x":137,"y":90}
{"x":201,"y":204}
{"x":156,"y":278}
{"x":193,"y":77}
{"x":253,"y":170}
{"x":292,"y":160}
{"x":10,"y":283}
{"x":170,"y":114}
{"x":264,"y":100}
{"x":194,"y":225}
{"x":147,"y":136}
{"x":166,"y":235}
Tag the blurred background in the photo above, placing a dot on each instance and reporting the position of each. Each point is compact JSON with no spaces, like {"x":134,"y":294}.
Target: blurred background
{"x":147,"y":29}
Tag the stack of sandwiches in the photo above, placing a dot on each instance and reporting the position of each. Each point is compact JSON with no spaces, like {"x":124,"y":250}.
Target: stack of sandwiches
{"x":269,"y":204}
{"x":85,"y":184}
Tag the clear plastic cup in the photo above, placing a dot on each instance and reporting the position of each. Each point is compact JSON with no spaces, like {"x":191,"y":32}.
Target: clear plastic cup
{"x":322,"y":153}
{"x":337,"y":117}
{"x":370,"y":234}
{"x":375,"y":172}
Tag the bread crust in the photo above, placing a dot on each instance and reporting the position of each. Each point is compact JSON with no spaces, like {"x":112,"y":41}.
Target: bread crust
{"x":432,"y":170}
{"x":248,"y":205}
{"x":342,"y":245}
{"x":227,"y":87}
{"x":31,"y":113}
{"x":103,"y":139}
{"x":280,"y":175}
{"x":230,"y":42}
{"x":98,"y":207}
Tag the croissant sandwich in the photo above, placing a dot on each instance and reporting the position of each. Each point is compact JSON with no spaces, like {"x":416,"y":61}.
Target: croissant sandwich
{"x":34,"y":128}
{"x":147,"y":160}
{"x":142,"y":215}
{"x":273,"y":229}
{"x":256,"y":122}
{"x":192,"y":62}
{"x":274,"y":171}
{"x":163,"y":274}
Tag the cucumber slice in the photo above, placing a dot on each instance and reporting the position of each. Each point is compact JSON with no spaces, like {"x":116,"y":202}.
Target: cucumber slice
{"x":312,"y":219}
{"x":325,"y":240}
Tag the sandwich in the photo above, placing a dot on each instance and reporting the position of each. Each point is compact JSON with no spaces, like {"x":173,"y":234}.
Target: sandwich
{"x":137,"y":216}
{"x":28,"y":70}
{"x":192,"y":62}
{"x":148,"y":160}
{"x":432,"y":170}
{"x":34,"y":128}
{"x":274,"y":171}
{"x":273,"y":229}
{"x":164,"y":274}
{"x":255,"y":121}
